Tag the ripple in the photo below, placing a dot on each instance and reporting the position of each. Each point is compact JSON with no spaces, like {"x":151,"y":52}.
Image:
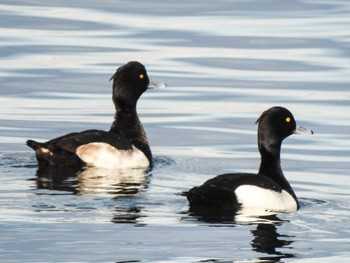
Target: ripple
{"x":309,"y":202}
{"x":162,"y":161}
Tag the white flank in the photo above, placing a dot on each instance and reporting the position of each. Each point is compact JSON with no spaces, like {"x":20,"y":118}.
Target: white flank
{"x":103,"y":155}
{"x":251,"y":196}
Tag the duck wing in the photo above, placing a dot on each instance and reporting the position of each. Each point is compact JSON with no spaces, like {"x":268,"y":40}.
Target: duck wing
{"x":220,"y":190}
{"x":72,"y":141}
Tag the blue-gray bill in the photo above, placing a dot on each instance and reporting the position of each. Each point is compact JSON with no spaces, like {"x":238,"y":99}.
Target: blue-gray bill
{"x":302,"y":130}
{"x":156,"y":85}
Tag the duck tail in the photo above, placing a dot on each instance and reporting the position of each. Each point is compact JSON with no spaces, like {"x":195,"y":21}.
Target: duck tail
{"x":33,"y":144}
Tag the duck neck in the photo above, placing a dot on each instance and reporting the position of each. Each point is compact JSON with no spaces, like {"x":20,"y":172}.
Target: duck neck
{"x":127,"y":123}
{"x":270,"y":166}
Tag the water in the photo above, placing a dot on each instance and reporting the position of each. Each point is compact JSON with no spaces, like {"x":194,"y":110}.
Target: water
{"x":224,"y":64}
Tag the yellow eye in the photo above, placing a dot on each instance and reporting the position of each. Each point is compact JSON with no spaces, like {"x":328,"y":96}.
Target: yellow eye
{"x":141,"y":76}
{"x":288,"y":119}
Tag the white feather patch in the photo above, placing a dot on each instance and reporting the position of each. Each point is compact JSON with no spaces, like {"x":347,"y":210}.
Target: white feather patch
{"x":46,"y":151}
{"x":251,"y":196}
{"x":103,"y":155}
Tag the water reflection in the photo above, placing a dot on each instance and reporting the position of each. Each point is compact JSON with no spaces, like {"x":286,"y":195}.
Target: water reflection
{"x":266,"y":238}
{"x":57,"y":178}
{"x":114,"y":183}
{"x":126,"y":215}
{"x":92,"y":181}
{"x":118,"y":186}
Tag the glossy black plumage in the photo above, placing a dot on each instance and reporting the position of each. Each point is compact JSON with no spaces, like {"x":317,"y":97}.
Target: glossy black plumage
{"x":275,"y":124}
{"x":219,"y":191}
{"x":129,"y":83}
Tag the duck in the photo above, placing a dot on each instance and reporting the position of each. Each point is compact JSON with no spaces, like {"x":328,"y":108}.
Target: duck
{"x":268,"y":190}
{"x":124,"y":145}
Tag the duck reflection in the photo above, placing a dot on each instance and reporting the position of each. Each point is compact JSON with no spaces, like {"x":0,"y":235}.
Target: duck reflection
{"x":57,"y":178}
{"x":265,"y":240}
{"x":93,"y":181}
{"x":119,"y":185}
{"x":113,"y":183}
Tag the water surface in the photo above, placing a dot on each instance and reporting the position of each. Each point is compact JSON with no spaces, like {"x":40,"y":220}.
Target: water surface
{"x":224,"y":64}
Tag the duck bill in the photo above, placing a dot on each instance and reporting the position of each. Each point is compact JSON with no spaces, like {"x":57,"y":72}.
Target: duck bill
{"x":302,"y":130}
{"x":156,"y":85}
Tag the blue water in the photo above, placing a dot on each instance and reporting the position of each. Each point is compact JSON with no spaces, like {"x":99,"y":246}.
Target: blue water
{"x":224,"y":64}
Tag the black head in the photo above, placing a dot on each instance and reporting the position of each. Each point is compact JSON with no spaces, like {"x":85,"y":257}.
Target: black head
{"x":129,"y":82}
{"x":275,"y":124}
